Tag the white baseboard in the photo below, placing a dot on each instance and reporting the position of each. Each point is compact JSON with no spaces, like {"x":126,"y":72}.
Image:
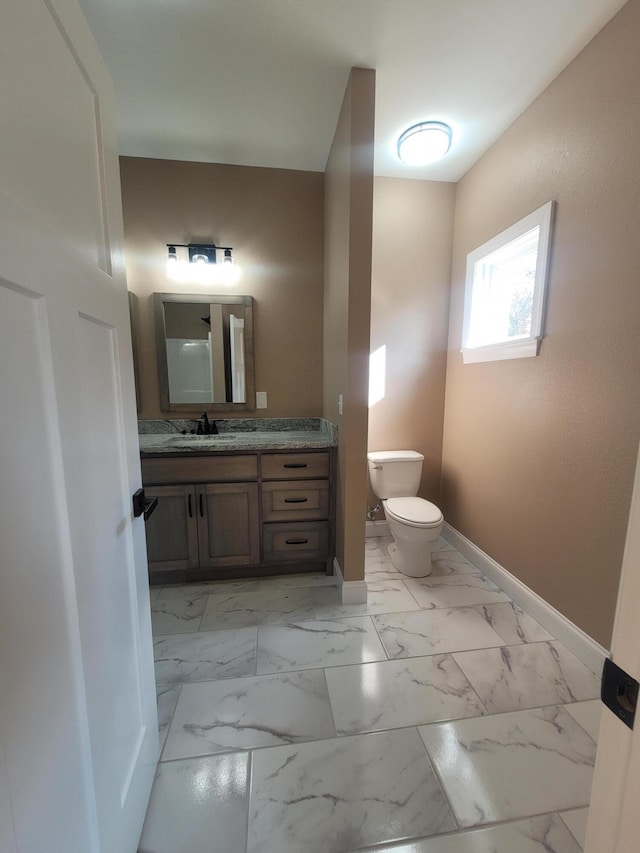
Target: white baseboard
{"x":352,"y":592}
{"x":585,"y":648}
{"x":376,"y":528}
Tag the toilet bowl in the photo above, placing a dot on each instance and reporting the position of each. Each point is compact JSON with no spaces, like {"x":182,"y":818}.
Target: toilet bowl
{"x":414,"y":523}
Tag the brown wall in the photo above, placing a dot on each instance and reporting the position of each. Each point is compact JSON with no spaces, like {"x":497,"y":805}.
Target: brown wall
{"x":348,"y":215}
{"x":273,"y":218}
{"x":412,"y":240}
{"x":539,"y":453}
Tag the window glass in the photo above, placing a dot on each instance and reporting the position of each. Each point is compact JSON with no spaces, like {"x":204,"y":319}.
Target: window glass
{"x":505,"y":286}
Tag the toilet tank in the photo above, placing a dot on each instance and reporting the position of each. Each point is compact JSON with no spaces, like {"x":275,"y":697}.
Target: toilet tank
{"x":395,"y":473}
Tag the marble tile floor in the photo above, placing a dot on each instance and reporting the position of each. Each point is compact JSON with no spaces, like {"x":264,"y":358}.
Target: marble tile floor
{"x":436,"y":718}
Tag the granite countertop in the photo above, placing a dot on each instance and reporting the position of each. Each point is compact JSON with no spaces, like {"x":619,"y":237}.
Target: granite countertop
{"x":163,"y":438}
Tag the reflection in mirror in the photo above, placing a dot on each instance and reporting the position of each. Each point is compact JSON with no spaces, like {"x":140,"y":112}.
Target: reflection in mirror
{"x":205,"y":351}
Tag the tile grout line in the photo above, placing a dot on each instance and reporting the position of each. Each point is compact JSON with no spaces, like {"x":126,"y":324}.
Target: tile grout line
{"x":571,"y":832}
{"x":380,"y":640}
{"x":468,"y":830}
{"x":464,"y":675}
{"x":333,"y":716}
{"x":170,"y":723}
{"x":353,"y":734}
{"x":249,"y":789}
{"x":439,"y":779}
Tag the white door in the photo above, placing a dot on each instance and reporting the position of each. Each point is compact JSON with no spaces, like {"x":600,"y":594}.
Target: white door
{"x":78,"y":726}
{"x":614,"y":816}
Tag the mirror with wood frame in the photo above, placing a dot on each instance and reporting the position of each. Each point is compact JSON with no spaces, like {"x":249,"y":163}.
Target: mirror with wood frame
{"x":204,"y":344}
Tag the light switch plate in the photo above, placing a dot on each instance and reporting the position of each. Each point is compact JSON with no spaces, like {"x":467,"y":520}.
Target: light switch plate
{"x":261,"y":399}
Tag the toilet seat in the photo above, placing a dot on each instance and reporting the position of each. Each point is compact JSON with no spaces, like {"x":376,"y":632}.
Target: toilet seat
{"x":415,"y":512}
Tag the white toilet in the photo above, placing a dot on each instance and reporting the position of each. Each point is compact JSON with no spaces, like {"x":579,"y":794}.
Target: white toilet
{"x":415,"y":524}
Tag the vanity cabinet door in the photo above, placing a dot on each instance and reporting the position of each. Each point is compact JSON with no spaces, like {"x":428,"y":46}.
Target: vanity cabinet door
{"x":172,"y":533}
{"x":228,"y":524}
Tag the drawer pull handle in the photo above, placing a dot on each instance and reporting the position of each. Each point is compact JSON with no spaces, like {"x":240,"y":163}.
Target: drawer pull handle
{"x":295,"y":465}
{"x":296,"y":541}
{"x":296,"y":500}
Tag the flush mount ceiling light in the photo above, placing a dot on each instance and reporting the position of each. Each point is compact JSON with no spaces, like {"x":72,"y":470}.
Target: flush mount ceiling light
{"x":424,"y":143}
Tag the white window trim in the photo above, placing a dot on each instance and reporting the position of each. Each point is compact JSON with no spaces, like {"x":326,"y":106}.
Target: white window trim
{"x":519,"y":347}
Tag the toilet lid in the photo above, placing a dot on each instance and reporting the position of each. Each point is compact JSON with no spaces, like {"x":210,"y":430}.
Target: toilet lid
{"x":394,"y":456}
{"x":415,"y":511}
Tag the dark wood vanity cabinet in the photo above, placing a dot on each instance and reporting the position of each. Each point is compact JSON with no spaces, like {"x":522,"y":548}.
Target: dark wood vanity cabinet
{"x":239,"y":515}
{"x":296,"y":506}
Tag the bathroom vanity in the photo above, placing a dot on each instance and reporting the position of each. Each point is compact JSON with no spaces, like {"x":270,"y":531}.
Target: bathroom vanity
{"x":256,"y":501}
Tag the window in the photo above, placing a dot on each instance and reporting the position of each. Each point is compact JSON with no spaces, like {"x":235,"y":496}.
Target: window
{"x":504,"y":291}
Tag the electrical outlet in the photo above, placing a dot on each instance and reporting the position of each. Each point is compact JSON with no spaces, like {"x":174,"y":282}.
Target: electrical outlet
{"x":261,"y":399}
{"x":339,"y":404}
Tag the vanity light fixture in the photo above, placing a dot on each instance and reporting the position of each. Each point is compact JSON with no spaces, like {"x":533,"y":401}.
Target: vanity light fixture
{"x":199,"y":263}
{"x":424,"y":143}
{"x":199,"y":253}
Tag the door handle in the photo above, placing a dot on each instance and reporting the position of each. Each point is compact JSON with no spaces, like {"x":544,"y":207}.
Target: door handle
{"x":201,"y":505}
{"x":189,"y":505}
{"x":142,"y":505}
{"x":619,"y":692}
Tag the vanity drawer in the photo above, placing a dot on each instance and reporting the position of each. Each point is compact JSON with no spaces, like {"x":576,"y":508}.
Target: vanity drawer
{"x":200,"y":469}
{"x":293,"y":466}
{"x":295,"y":542}
{"x":296,"y":500}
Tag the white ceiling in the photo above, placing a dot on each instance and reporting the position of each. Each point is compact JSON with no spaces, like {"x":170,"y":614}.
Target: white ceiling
{"x":260,"y":82}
